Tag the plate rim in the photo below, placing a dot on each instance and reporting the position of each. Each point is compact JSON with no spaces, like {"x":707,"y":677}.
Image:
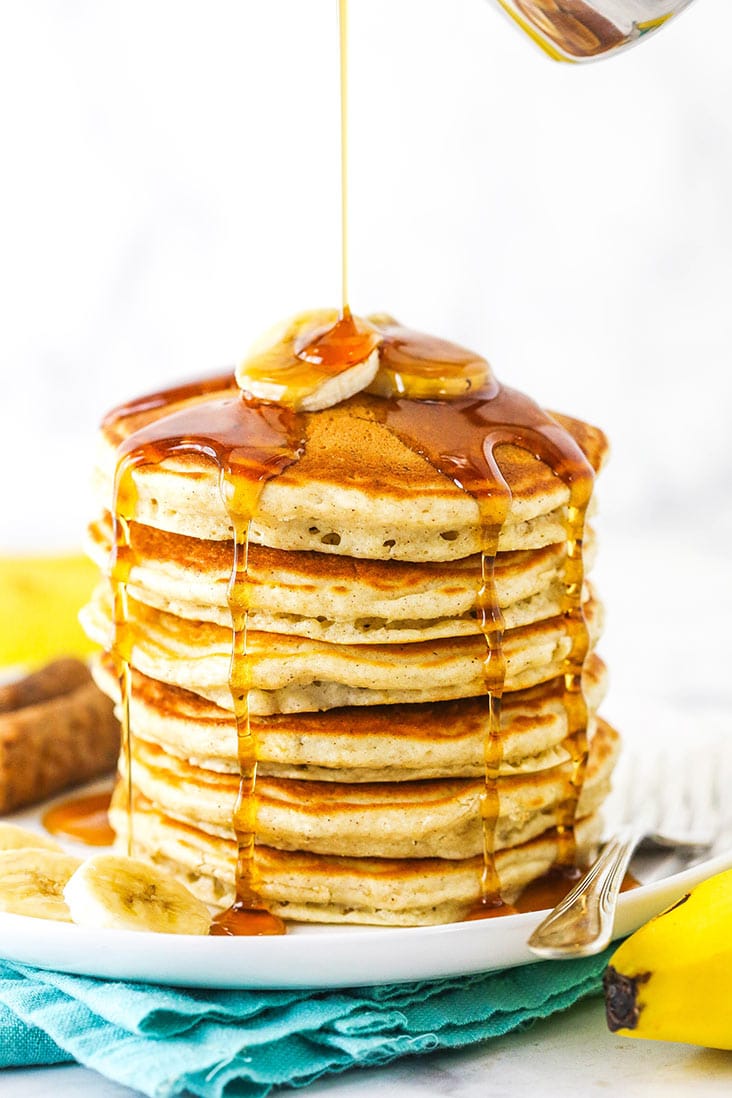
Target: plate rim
{"x":313,"y":955}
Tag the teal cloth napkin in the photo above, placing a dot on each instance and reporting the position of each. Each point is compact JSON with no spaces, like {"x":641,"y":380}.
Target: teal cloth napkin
{"x":166,"y":1041}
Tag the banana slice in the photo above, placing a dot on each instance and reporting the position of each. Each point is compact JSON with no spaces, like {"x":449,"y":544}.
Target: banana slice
{"x":312,"y":361}
{"x":13,"y":837}
{"x":423,"y":367}
{"x":110,"y":890}
{"x":321,"y":358}
{"x":32,"y":883}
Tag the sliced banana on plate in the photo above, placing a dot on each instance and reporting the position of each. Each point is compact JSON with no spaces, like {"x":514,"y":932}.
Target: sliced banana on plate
{"x":312,"y":361}
{"x":32,"y":882}
{"x":13,"y":837}
{"x":113,"y":891}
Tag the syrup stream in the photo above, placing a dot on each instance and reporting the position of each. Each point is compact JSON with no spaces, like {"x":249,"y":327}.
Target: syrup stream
{"x":343,"y":57}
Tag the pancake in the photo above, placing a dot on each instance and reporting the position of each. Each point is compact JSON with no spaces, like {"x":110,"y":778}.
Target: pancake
{"x":308,"y":887}
{"x":388,"y":743}
{"x":426,"y":819}
{"x":288,"y":674}
{"x":357,"y":491}
{"x":336,"y":599}
{"x":376,"y":607}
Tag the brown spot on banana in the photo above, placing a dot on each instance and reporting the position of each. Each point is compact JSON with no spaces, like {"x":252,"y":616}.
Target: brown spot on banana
{"x":621,"y":998}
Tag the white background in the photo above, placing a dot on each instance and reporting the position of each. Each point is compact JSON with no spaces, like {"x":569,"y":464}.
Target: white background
{"x":169,"y":185}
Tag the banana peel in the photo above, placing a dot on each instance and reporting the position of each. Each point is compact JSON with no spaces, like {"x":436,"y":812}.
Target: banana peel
{"x":40,"y":597}
{"x":670,"y":981}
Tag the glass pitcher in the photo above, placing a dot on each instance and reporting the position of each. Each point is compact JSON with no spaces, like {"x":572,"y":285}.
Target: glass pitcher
{"x":583,"y":30}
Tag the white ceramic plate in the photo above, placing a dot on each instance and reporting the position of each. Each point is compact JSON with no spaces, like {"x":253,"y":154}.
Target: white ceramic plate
{"x":322,"y":956}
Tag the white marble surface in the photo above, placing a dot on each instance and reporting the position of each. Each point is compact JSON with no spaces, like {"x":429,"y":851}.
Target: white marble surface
{"x":572,"y":1055}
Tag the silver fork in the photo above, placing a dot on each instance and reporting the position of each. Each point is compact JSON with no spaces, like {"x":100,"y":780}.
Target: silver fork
{"x":668,"y":801}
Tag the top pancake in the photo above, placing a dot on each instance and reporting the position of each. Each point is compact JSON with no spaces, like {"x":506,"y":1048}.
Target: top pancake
{"x":356,"y":491}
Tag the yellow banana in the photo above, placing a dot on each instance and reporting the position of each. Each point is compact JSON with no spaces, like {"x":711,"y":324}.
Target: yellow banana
{"x":40,"y":598}
{"x":670,"y":980}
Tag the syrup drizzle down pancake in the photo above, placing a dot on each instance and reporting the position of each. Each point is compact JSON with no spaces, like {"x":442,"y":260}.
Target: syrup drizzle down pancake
{"x":347,"y":626}
{"x":451,"y":657}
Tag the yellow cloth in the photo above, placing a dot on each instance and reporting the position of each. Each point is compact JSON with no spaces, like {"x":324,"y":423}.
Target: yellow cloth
{"x":40,"y":598}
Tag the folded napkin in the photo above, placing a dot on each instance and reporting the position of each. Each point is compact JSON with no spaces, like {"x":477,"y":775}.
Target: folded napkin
{"x":165,"y":1041}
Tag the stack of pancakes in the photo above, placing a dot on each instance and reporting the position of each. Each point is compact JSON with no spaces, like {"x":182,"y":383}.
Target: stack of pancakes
{"x":365,"y":665}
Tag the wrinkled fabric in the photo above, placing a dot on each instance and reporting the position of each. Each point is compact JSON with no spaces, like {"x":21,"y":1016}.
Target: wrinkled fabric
{"x":164,"y":1041}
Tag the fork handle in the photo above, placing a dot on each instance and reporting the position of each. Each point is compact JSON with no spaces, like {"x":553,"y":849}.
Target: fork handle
{"x":582,"y":923}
